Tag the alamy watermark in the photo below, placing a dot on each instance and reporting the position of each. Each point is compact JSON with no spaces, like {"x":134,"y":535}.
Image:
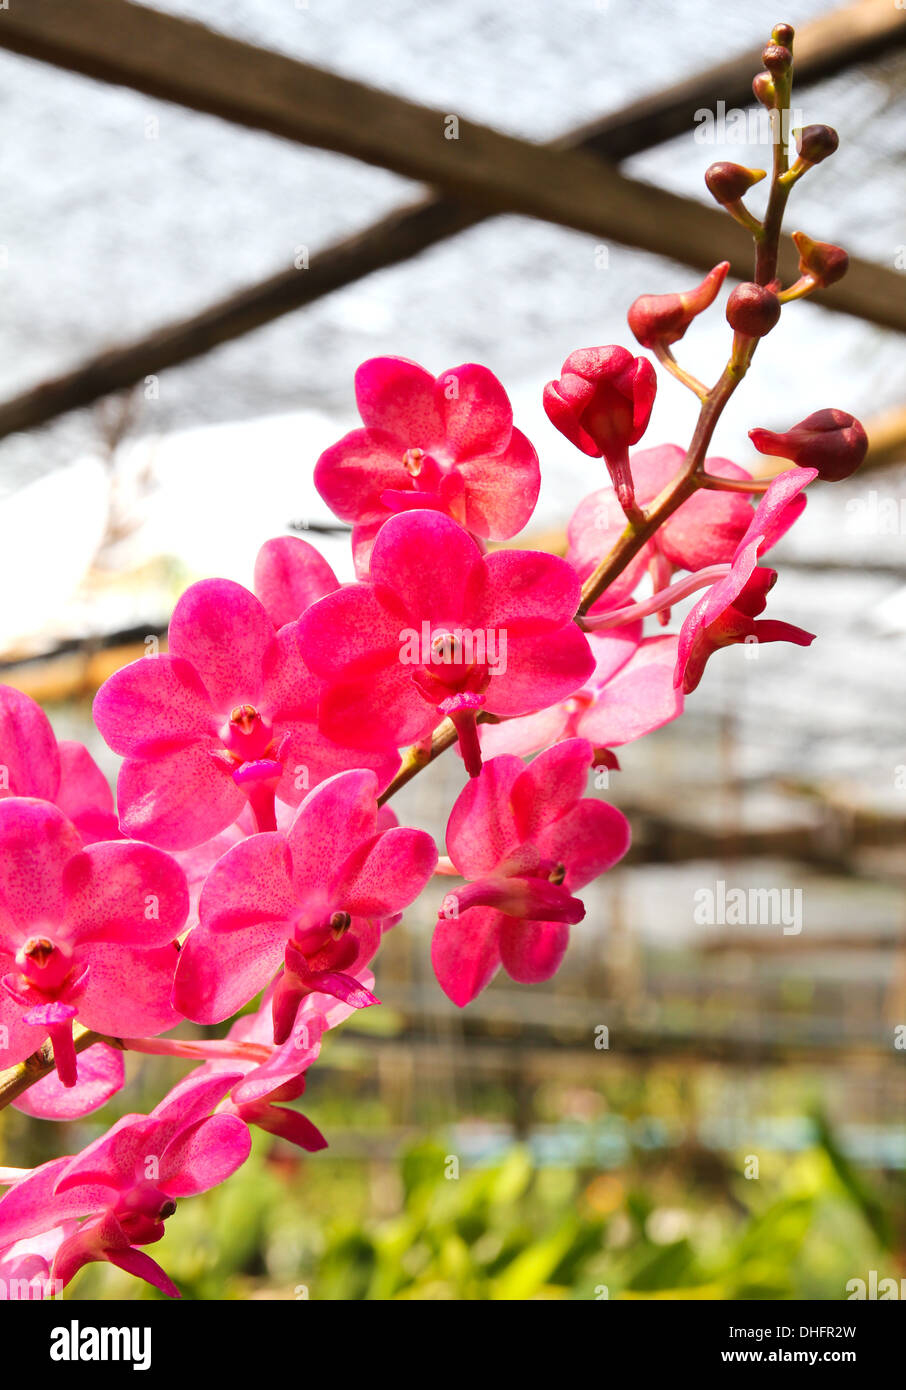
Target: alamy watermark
{"x":735,"y":126}
{"x":747,"y":907}
{"x":458,"y":646}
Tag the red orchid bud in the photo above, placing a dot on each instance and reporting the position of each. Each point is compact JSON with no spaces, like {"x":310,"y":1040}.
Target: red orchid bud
{"x":816,"y":142}
{"x":830,"y":441}
{"x":602,"y":403}
{"x":783,"y":33}
{"x":664,"y":318}
{"x":753,"y":309}
{"x":764,"y":89}
{"x":727,"y":182}
{"x":777,"y":58}
{"x":823,"y":262}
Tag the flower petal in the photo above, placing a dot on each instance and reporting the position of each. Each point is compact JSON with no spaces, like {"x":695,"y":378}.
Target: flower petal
{"x":205,"y":1154}
{"x":475,"y":410}
{"x":329,"y":827}
{"x":350,"y":631}
{"x":126,"y":892}
{"x":220,"y":971}
{"x":397,"y":395}
{"x":588,"y":840}
{"x":28,"y":749}
{"x":425,"y":559}
{"x":223,"y":630}
{"x":523,"y":591}
{"x":709,"y":525}
{"x":532,"y":951}
{"x":252,"y":883}
{"x":383,"y":708}
{"x":101,"y":1074}
{"x":465,"y":953}
{"x":153,"y":705}
{"x":291,"y":575}
{"x":639,"y":698}
{"x":84,"y":794}
{"x":127,"y":991}
{"x":389,"y":873}
{"x":482,"y":829}
{"x":352,"y":474}
{"x":550,"y":786}
{"x":541,"y":670}
{"x":178,"y":800}
{"x":526,"y":734}
{"x":501,"y":490}
{"x":36,"y":841}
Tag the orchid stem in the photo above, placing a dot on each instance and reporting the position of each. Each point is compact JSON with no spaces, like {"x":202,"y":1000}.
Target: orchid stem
{"x":715,"y":484}
{"x":667,"y":359}
{"x":664,"y":598}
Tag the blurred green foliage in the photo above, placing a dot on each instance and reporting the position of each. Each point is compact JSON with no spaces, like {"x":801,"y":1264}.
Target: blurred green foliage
{"x":349,"y":1229}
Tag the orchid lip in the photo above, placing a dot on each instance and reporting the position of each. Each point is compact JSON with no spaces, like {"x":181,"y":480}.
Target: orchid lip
{"x":44,"y":966}
{"x":540,"y":899}
{"x":246,"y":734}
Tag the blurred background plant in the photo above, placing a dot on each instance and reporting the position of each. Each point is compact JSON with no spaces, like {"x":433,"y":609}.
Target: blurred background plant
{"x":612,"y":1193}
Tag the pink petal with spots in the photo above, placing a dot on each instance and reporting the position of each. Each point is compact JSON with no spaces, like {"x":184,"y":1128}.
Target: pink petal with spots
{"x":153,"y":705}
{"x":291,"y":575}
{"x":101,"y":1075}
{"x":398,"y":396}
{"x":223,"y":630}
{"x":482,"y":828}
{"x":541,"y":669}
{"x":125,"y":892}
{"x":178,"y":800}
{"x":28,"y":749}
{"x":425,"y":560}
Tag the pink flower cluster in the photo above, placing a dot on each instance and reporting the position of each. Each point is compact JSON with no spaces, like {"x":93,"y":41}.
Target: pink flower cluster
{"x":250,"y":869}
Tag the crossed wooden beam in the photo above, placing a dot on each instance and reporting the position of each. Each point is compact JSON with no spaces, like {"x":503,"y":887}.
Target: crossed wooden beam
{"x":572,"y":181}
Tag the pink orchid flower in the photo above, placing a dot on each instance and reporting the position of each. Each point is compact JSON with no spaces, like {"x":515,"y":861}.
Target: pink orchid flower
{"x":226,"y":719}
{"x":705,"y":530}
{"x":629,"y":693}
{"x":447,"y":444}
{"x":317,"y":899}
{"x":33,"y":763}
{"x":527,"y":840}
{"x":86,"y":932}
{"x":123,"y":1187}
{"x":729,"y":611}
{"x":441,"y":629}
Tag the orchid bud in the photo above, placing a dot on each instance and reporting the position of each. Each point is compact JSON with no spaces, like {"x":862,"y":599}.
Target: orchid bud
{"x":829,"y":441}
{"x":821,"y":261}
{"x":816,"y":142}
{"x":777,"y":58}
{"x":783,"y":33}
{"x":727,"y":182}
{"x":753,"y":310}
{"x":602,"y":404}
{"x":764,"y":89}
{"x":664,"y":318}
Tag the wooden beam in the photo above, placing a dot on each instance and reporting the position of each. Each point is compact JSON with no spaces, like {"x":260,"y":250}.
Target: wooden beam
{"x":183,"y":61}
{"x":156,"y":53}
